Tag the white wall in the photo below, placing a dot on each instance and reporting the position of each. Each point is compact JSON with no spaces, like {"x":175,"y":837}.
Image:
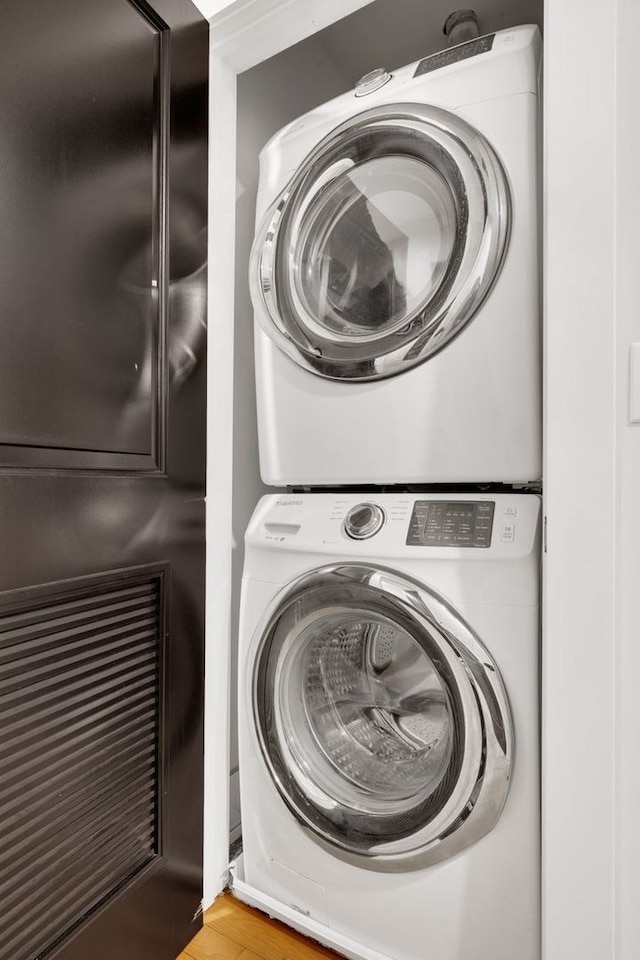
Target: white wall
{"x":579,"y":640}
{"x":627,"y":626}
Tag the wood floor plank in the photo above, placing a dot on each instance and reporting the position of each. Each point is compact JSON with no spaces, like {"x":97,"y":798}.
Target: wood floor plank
{"x":210,"y":944}
{"x":265,"y":938}
{"x":223,"y":906}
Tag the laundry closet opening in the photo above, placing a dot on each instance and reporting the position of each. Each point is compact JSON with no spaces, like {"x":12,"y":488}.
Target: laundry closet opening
{"x":388,"y":34}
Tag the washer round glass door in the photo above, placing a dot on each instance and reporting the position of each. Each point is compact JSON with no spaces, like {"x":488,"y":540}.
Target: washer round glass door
{"x":381,"y":717}
{"x":384,"y":244}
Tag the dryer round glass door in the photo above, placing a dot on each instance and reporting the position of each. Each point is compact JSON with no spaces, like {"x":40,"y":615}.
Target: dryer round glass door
{"x":383,"y":245}
{"x":381,"y":717}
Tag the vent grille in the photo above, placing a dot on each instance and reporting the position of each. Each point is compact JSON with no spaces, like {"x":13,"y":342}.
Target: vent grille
{"x":80,"y":679}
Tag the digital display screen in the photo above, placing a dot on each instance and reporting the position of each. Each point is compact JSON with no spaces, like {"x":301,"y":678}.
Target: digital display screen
{"x":457,"y":523}
{"x":454,"y":54}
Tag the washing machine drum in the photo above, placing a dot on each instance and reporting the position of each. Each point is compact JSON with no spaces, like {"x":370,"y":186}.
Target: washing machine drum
{"x":381,"y":717}
{"x":383,"y":245}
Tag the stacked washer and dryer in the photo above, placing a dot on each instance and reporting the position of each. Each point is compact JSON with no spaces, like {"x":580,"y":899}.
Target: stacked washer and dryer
{"x":388,"y":650}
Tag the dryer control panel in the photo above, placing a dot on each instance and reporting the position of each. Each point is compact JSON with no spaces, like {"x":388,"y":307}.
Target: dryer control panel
{"x":461,"y":51}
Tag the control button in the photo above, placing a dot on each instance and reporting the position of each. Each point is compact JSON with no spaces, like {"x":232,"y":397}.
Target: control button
{"x":510,"y":511}
{"x":508,"y":534}
{"x":372,"y":82}
{"x":363,"y":521}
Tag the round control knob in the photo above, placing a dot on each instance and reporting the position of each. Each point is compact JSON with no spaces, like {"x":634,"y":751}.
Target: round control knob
{"x":363,"y":521}
{"x":372,"y":82}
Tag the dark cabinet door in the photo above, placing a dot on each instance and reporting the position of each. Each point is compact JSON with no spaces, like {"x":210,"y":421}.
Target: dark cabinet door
{"x":103,"y":206}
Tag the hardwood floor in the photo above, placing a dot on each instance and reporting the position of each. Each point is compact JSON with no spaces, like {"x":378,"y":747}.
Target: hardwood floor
{"x":233,"y":931}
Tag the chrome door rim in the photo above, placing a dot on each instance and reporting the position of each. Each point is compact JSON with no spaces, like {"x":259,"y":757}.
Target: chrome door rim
{"x":454,"y":149}
{"x":476,"y":799}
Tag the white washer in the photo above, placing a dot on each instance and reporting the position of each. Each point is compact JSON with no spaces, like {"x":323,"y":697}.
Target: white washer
{"x":389,"y":721}
{"x":394,"y":277}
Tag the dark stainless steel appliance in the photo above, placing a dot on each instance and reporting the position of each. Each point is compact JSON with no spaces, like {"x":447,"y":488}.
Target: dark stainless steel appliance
{"x":103,"y":161}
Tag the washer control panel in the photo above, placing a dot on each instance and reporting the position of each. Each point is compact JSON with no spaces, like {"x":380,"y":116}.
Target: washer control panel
{"x":363,"y":521}
{"x":473,"y":526}
{"x":455,"y":523}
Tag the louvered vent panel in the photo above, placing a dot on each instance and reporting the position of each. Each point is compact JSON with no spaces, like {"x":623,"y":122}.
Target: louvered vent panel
{"x":79,"y":728}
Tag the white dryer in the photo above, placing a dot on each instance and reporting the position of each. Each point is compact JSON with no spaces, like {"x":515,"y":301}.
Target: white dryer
{"x":389,"y":722}
{"x":395,"y":277}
